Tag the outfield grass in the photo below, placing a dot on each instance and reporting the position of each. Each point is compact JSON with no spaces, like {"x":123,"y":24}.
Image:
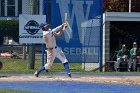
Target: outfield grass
{"x":14,"y":91}
{"x":19,"y":66}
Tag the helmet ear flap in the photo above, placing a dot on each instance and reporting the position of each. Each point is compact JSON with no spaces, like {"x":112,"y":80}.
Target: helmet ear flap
{"x":43,"y":28}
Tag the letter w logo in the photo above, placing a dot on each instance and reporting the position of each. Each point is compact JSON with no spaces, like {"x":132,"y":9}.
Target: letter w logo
{"x":78,"y":12}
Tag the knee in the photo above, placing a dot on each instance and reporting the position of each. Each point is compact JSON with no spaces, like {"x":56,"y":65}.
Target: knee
{"x":48,"y":66}
{"x":64,"y":61}
{"x":118,"y":59}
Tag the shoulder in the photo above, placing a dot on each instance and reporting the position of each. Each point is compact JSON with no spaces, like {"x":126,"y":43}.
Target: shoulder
{"x":119,"y":51}
{"x":131,"y":49}
{"x":45,"y":32}
{"x":138,"y":49}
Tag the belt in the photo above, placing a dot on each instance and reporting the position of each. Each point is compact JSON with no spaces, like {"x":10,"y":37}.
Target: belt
{"x":51,"y":48}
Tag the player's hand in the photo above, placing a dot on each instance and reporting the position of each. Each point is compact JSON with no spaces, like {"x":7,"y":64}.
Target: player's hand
{"x":64,"y":24}
{"x":138,"y":57}
{"x":124,"y":57}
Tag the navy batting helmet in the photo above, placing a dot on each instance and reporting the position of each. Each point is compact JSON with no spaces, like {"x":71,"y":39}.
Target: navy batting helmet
{"x":43,"y":24}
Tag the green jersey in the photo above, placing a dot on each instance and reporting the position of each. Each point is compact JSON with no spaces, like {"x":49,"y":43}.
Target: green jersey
{"x":137,"y":52}
{"x":121,"y":53}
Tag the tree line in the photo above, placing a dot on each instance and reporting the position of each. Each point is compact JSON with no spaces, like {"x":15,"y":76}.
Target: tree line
{"x":121,"y":5}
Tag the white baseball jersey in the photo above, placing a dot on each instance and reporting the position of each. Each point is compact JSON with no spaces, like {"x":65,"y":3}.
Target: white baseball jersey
{"x":49,"y":38}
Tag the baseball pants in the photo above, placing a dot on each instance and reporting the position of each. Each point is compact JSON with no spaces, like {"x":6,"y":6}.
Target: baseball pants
{"x":51,"y":54}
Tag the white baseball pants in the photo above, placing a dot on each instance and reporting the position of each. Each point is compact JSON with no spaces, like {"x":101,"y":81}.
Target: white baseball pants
{"x":51,"y":54}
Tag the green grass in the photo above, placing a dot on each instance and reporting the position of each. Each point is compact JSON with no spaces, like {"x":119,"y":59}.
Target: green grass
{"x":19,"y":66}
{"x":14,"y":91}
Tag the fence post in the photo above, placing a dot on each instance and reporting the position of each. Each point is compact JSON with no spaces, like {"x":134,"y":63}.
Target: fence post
{"x":129,"y":6}
{"x":42,"y":54}
{"x":24,"y":51}
{"x":31,"y":56}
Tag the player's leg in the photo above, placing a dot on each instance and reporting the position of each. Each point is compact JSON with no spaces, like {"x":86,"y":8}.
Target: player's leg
{"x":60,"y":55}
{"x":36,"y":74}
{"x":47,"y":66}
{"x":117,"y":64}
{"x":134,"y":64}
{"x":66,"y":66}
{"x":129,"y":64}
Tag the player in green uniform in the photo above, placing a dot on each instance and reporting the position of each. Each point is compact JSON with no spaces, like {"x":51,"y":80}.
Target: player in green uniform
{"x":135,"y":55}
{"x":122,"y":56}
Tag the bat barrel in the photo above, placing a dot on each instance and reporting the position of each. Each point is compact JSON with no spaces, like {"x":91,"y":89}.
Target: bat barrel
{"x":66,"y":16}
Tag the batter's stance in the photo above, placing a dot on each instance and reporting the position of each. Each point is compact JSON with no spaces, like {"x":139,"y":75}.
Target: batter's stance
{"x":52,"y":49}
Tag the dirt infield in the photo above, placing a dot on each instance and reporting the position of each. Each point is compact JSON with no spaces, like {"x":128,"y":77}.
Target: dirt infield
{"x":127,"y":80}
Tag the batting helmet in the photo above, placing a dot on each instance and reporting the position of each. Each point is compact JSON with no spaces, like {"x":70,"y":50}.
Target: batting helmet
{"x":43,"y":24}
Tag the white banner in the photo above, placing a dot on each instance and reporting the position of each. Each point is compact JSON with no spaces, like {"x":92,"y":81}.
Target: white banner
{"x":29,"y":28}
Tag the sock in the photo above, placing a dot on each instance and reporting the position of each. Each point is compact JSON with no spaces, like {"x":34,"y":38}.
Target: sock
{"x":66,"y":66}
{"x":41,"y":69}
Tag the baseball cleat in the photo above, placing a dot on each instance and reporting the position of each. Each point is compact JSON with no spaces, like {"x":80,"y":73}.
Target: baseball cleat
{"x":69,"y":75}
{"x":36,"y":74}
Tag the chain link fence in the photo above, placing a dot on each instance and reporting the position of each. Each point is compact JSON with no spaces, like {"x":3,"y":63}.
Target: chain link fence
{"x":13,"y":55}
{"x":15,"y":59}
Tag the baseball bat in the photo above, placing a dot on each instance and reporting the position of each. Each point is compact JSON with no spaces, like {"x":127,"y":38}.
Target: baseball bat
{"x":69,"y":30}
{"x":66,"y":16}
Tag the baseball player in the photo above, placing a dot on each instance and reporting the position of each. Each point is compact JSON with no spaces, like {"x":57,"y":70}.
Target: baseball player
{"x":122,"y":56}
{"x":52,"y":49}
{"x":135,"y":55}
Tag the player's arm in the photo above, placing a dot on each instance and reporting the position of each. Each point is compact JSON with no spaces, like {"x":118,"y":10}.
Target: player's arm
{"x":61,"y":32}
{"x":131,"y":53}
{"x":58,"y":28}
{"x":119,"y":55}
{"x":138,"y":53}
